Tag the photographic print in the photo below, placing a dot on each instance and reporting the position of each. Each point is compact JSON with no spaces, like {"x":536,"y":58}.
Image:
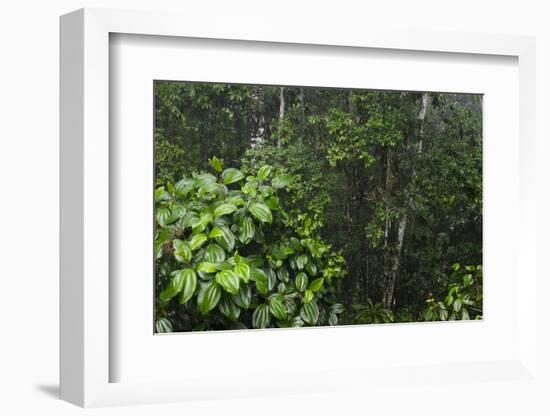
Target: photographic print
{"x":290,"y":206}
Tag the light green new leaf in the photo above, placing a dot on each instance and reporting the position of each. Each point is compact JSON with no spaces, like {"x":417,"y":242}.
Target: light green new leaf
{"x":209,"y":296}
{"x":216,"y":232}
{"x":224,"y":209}
{"x":243,"y":271}
{"x":197,"y":240}
{"x":229,"y":280}
{"x":308,"y":296}
{"x":263,"y":173}
{"x":261,"y":212}
{"x":317,"y":284}
{"x":207,"y":267}
{"x":261,"y":317}
{"x":232,"y":175}
{"x":189,"y":285}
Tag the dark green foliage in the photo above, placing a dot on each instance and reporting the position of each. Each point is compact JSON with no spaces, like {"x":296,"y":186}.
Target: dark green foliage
{"x":224,"y":257}
{"x":391,"y":180}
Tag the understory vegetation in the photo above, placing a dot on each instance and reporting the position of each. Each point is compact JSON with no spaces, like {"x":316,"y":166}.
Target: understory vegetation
{"x":289,"y":206}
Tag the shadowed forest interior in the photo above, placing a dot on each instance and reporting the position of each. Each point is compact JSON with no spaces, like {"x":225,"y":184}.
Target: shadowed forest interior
{"x":280,"y":206}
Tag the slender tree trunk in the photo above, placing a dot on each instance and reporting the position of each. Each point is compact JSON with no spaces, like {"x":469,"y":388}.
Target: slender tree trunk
{"x":388,"y":296}
{"x":281,"y":113}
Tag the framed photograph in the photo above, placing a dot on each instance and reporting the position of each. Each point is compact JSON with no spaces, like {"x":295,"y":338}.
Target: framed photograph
{"x":280,"y":213}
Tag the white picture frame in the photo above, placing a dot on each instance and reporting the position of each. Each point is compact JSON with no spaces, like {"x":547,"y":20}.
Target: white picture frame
{"x":86,"y":353}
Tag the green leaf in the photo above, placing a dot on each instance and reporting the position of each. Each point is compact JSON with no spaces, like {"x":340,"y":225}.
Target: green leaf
{"x":216,"y":232}
{"x":163,"y":325}
{"x":467,"y":279}
{"x":261,"y":317}
{"x":209,"y":296}
{"x":174,"y":286}
{"x":182,"y":251}
{"x":282,"y":181}
{"x":308,"y":296}
{"x":261,"y":212}
{"x":263,"y":173}
{"x":271,"y":279}
{"x":216,"y":163}
{"x":301,"y":261}
{"x":197,"y":240}
{"x":317,"y":284}
{"x":184,"y":186}
{"x":465,"y":316}
{"x":283,"y":275}
{"x":311,"y":268}
{"x":301,"y":282}
{"x":244,"y":297}
{"x":232,"y":175}
{"x":332,"y":319}
{"x":310,"y":313}
{"x":199,"y":225}
{"x":337,"y":308}
{"x":229,"y":280}
{"x":214,"y":253}
{"x":189,"y":285}
{"x":246,"y":230}
{"x":457,"y":304}
{"x":243,"y":271}
{"x":224,"y":209}
{"x":277,"y":307}
{"x":229,"y":309}
{"x":207,"y":267}
{"x":227,"y":239}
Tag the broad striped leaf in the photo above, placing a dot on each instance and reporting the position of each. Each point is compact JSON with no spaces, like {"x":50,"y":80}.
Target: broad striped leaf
{"x":209,"y":296}
{"x":277,"y":308}
{"x":163,"y":325}
{"x":189,"y":285}
{"x":244,"y":297}
{"x":261,"y":317}
{"x":261,"y":212}
{"x":229,"y":280}
{"x":310,"y":313}
{"x":246,"y":230}
{"x":182,"y":251}
{"x":229,"y":309}
{"x":197,"y":240}
{"x":263,"y":173}
{"x":227,"y":240}
{"x":214,"y":253}
{"x":301,"y":282}
{"x":224,"y":209}
{"x":243,"y":271}
{"x":207,"y":267}
{"x":232,"y":175}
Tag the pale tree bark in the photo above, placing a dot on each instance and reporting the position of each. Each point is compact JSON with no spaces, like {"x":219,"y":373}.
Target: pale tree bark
{"x":281,"y":113}
{"x":388,"y":295}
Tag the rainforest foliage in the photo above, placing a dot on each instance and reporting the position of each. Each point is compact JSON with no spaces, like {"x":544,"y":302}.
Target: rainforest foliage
{"x":288,"y":206}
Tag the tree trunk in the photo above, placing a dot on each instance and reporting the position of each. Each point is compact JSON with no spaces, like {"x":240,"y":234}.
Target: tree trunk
{"x":388,"y":295}
{"x":281,"y":113}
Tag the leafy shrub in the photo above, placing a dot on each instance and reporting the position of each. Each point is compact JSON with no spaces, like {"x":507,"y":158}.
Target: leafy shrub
{"x":464,"y":298}
{"x":371,"y":313}
{"x":228,"y":256}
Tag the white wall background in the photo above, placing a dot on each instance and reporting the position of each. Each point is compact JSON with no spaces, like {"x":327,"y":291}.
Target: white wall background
{"x":29,"y":115}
